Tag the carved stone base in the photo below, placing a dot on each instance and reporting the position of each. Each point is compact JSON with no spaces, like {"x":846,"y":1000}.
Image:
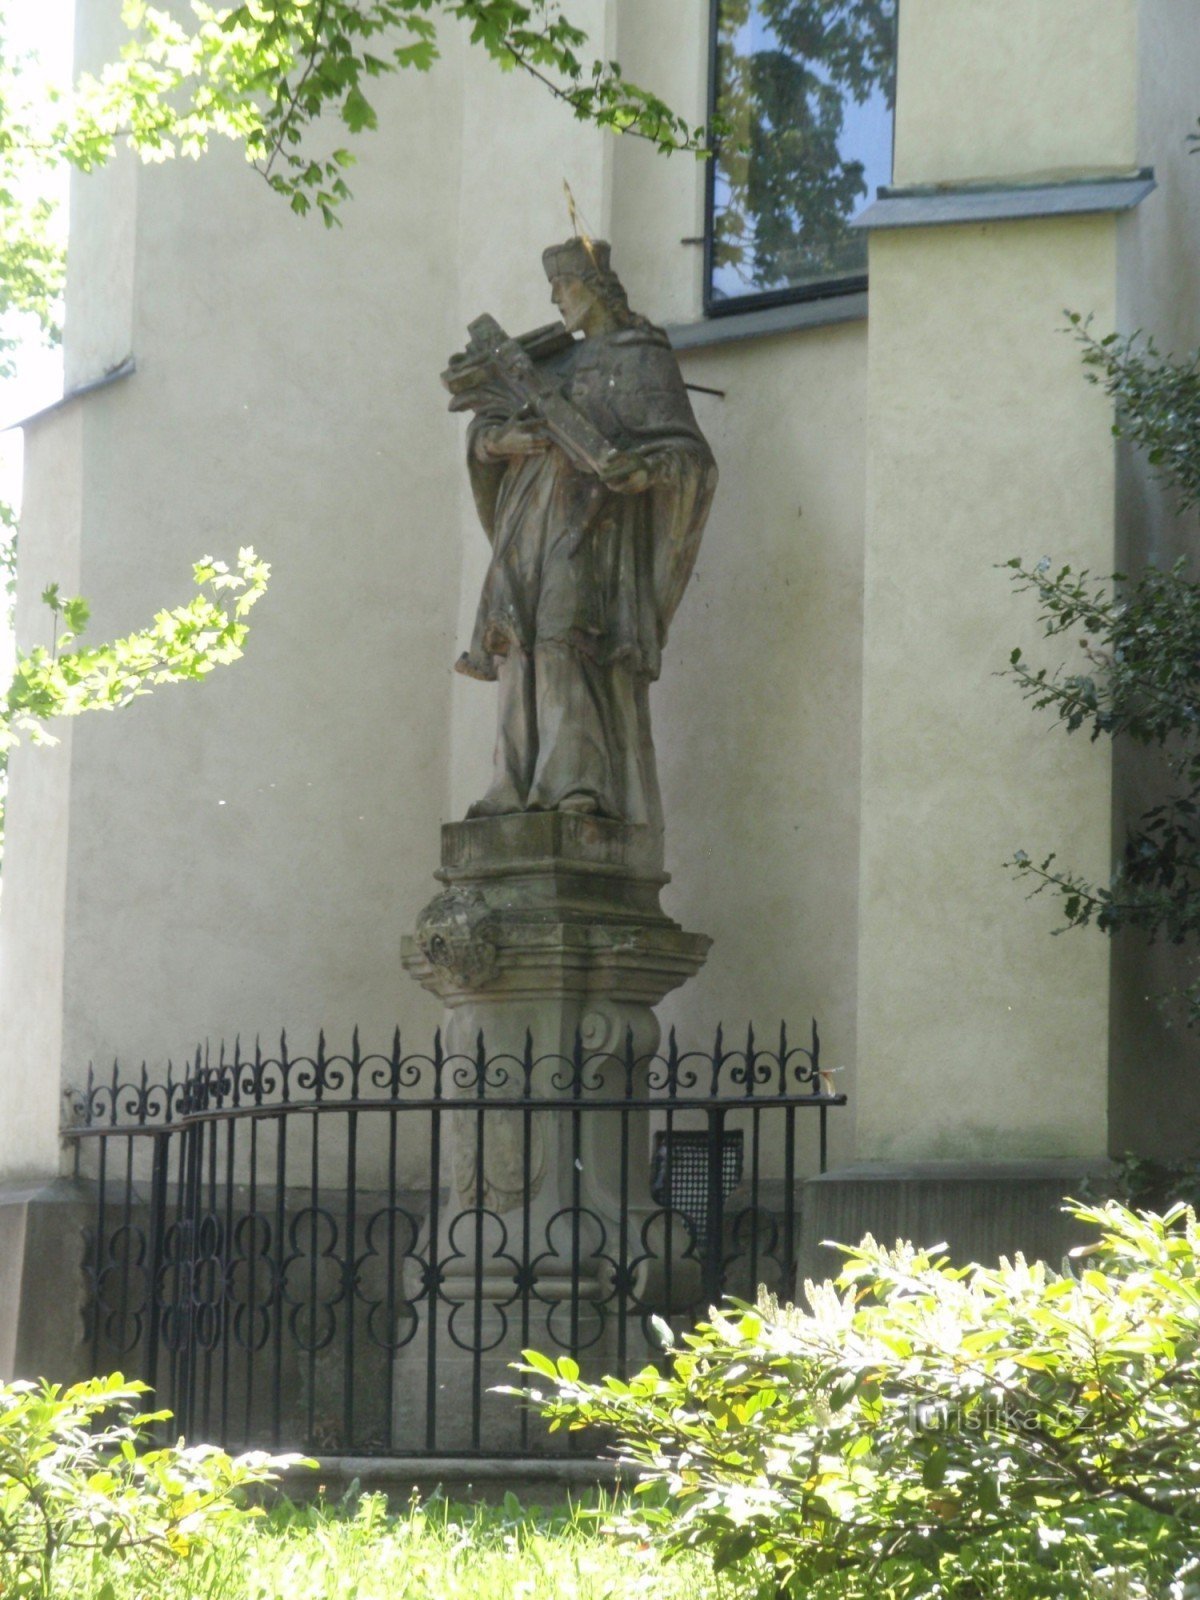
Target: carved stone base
{"x":547,"y":906}
{"x":548,"y":929}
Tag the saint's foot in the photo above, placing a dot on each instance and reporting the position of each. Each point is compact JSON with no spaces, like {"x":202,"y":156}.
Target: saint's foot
{"x":584,"y":805}
{"x":475,"y":667}
{"x":494,"y":805}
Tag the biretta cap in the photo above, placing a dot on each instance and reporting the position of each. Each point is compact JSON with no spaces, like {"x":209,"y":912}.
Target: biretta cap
{"x":576,"y":258}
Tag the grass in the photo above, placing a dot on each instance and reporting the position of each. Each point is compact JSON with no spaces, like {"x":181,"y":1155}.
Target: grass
{"x":430,"y":1551}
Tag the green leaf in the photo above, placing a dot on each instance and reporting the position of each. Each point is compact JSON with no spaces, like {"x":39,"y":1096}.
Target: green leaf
{"x":540,"y":1363}
{"x":357,"y":112}
{"x":75,"y":614}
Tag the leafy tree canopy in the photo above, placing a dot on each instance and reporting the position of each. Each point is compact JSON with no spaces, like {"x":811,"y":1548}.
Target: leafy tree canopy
{"x":262,"y":73}
{"x":185,"y":643}
{"x":32,"y":266}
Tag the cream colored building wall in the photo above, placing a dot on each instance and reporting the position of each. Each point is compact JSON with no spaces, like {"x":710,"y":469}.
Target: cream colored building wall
{"x":757,"y":713}
{"x":103,"y":232}
{"x":1011,"y":89}
{"x":246,"y":854}
{"x":1155,"y":1091}
{"x":658,"y":203}
{"x":34,"y":937}
{"x":979,"y":1035}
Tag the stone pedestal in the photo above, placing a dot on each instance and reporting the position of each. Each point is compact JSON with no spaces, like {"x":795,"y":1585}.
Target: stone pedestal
{"x":549,"y":944}
{"x":546,"y":916}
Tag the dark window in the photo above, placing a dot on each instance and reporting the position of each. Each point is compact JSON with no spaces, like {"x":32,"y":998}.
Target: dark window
{"x":805,"y":90}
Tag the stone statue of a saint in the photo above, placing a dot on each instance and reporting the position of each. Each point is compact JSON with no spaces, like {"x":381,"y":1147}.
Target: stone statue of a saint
{"x":593,"y":483}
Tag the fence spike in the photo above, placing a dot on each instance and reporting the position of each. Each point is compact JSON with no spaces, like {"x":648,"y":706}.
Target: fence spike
{"x":320,"y":1066}
{"x":672,"y":1064}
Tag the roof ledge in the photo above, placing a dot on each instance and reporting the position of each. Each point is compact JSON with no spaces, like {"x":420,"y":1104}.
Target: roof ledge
{"x":123,"y":369}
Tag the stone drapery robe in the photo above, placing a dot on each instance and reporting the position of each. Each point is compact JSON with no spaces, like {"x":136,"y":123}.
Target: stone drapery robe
{"x":584,"y":581}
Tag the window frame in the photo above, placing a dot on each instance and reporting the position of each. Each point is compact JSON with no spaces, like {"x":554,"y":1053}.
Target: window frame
{"x":763,"y":299}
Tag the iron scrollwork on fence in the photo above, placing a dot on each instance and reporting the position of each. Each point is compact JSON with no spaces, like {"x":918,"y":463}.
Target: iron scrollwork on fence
{"x":340,"y":1252}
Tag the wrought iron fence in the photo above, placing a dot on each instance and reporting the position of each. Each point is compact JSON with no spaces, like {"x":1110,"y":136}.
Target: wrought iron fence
{"x":344,"y":1252}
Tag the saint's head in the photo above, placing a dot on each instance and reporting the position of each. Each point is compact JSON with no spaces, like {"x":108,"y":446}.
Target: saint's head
{"x":585,"y":288}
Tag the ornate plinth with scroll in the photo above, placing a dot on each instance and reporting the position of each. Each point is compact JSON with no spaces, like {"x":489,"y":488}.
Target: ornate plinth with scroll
{"x":549,"y":948}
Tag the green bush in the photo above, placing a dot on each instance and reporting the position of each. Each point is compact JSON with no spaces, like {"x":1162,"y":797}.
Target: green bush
{"x":76,"y":1483}
{"x":931,"y":1430}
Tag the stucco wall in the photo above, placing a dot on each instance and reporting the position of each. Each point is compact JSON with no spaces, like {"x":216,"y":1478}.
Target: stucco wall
{"x":980,"y":1035}
{"x":658,"y":203}
{"x":249,"y":851}
{"x":757,"y":713}
{"x":1010,"y":89}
